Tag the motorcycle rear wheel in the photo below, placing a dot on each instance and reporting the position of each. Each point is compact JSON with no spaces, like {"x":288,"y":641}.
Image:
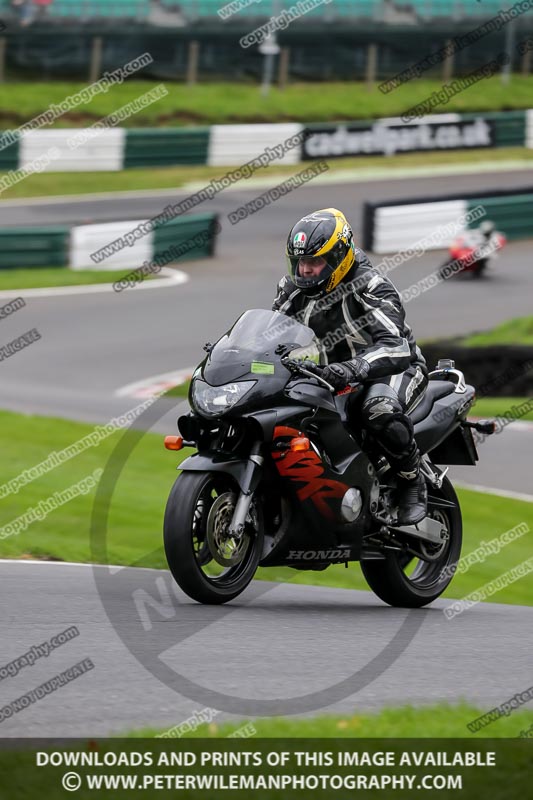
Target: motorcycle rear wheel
{"x":206,"y":564}
{"x":396,"y":582}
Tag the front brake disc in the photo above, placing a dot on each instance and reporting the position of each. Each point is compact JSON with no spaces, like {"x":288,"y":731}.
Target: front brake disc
{"x":226,"y":550}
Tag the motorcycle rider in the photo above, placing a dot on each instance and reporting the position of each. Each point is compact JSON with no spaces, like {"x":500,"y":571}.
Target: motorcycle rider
{"x":358,"y":316}
{"x":487,"y":228}
{"x":487,"y":241}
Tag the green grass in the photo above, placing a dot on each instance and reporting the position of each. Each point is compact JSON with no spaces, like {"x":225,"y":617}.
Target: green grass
{"x":514,"y":331}
{"x":499,"y":406}
{"x":435,"y":721}
{"x":209,"y":103}
{"x":136,"y":516}
{"x":182,"y":390}
{"x":508,"y":778}
{"x":44,"y":277}
{"x":47,"y":184}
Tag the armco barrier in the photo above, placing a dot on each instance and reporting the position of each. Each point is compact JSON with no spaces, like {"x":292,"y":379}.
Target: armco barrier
{"x":101,"y":153}
{"x":146,"y":147}
{"x":392,"y":226}
{"x":511,"y":214}
{"x":61,"y":246}
{"x":34,"y":247}
{"x":233,"y":145}
{"x":509,"y":127}
{"x":529,"y":128}
{"x":9,"y":157}
{"x":166,"y":235}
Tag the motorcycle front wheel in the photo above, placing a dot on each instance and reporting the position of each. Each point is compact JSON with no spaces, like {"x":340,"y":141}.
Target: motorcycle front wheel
{"x":406,"y":581}
{"x":209,"y":565}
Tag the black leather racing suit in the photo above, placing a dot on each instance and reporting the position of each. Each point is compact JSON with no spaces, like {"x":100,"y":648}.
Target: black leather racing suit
{"x":364,"y":317}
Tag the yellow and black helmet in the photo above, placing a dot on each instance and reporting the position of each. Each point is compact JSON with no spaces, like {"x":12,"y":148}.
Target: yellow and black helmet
{"x":326,"y":234}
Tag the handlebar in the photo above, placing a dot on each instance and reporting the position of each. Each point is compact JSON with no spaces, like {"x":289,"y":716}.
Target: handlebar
{"x":312,"y":370}
{"x":308,"y":368}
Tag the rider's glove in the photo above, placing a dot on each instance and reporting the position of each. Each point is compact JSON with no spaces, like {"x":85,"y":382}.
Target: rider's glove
{"x":340,"y":375}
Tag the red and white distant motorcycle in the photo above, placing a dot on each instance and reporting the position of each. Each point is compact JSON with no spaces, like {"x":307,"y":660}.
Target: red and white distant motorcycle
{"x":472,"y":250}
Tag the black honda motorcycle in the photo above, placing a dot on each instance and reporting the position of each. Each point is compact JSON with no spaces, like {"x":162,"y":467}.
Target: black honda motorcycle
{"x":279,"y":479}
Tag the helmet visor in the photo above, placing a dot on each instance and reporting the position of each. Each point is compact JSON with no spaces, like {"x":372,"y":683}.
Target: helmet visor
{"x":308,"y":271}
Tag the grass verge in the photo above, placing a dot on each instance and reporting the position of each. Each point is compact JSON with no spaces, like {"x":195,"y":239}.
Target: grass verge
{"x":48,"y":184}
{"x":500,"y":406}
{"x":181,"y":390}
{"x":136,"y":514}
{"x":226,"y":102}
{"x":384,"y":738}
{"x":514,"y":331}
{"x":436,"y":721}
{"x":46,"y":277}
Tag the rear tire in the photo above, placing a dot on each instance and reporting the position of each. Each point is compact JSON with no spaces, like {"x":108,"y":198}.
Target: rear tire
{"x":189,"y":548}
{"x":389,"y":580}
{"x":479,"y":271}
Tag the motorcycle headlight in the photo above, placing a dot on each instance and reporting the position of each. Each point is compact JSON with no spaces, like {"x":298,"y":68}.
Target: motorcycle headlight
{"x":214,"y":400}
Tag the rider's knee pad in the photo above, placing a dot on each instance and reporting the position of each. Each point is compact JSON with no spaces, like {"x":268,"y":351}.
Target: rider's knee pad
{"x":384,"y":416}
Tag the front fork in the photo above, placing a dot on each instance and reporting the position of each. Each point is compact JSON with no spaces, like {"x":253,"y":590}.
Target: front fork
{"x":249,"y":484}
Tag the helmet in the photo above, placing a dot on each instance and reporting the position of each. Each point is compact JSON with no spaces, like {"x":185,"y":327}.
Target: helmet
{"x":327,"y":234}
{"x":487,"y":228}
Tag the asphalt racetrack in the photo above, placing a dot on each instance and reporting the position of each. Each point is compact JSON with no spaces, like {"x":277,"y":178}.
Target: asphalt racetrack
{"x":266,"y":648}
{"x":274,"y":639}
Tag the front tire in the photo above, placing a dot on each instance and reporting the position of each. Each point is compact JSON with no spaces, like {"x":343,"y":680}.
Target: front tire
{"x":397,"y":583}
{"x":207,"y":565}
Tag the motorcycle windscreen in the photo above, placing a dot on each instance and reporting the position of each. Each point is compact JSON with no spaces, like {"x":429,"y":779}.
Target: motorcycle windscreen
{"x":250,"y":346}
